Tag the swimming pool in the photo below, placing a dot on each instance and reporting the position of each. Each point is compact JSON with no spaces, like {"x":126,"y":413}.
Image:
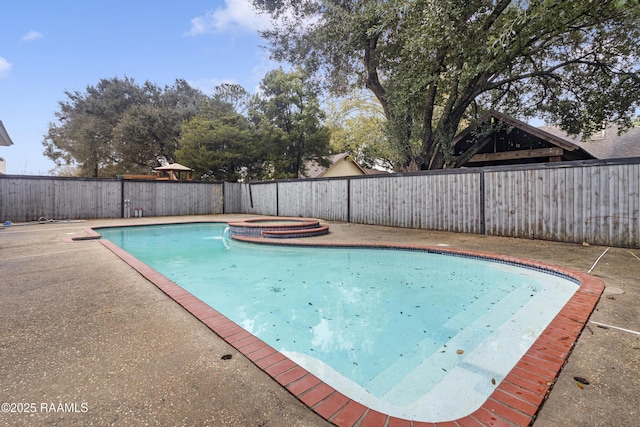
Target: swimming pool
{"x":370,"y":334}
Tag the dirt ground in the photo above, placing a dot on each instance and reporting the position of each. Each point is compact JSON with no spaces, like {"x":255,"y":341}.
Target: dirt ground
{"x":85,"y":340}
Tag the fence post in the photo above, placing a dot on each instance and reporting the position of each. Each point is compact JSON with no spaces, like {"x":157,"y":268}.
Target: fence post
{"x":122,"y":198}
{"x":348,"y":199}
{"x":482,"y":212}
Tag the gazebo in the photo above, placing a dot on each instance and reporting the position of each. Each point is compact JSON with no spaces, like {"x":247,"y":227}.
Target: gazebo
{"x":174,"y":172}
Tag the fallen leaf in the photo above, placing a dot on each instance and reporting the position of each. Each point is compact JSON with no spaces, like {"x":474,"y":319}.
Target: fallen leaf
{"x":582,"y":380}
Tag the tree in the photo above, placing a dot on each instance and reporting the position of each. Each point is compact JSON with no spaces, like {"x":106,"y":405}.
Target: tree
{"x":288,"y":115}
{"x":220,"y":144}
{"x":234,"y":95}
{"x":86,"y":123}
{"x":434,"y":63}
{"x":119,"y":127}
{"x":357,"y":126}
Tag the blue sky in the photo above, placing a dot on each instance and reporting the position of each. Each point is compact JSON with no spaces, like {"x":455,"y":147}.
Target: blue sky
{"x":48,"y":47}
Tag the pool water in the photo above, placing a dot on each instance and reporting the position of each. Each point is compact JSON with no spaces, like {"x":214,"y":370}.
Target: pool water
{"x":409,"y":333}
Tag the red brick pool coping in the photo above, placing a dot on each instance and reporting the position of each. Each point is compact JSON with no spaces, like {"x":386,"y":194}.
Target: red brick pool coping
{"x":514,"y":402}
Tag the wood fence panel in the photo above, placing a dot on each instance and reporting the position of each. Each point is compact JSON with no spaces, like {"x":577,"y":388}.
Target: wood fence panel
{"x":449,"y":202}
{"x":24,"y":199}
{"x":325,"y":199}
{"x":294,"y":198}
{"x":330,"y":199}
{"x":161,"y":198}
{"x":259,"y":198}
{"x":593,"y":204}
{"x":232,"y":202}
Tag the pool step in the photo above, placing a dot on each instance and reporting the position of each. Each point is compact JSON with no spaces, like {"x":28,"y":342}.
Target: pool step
{"x":421,"y":372}
{"x":307,"y":232}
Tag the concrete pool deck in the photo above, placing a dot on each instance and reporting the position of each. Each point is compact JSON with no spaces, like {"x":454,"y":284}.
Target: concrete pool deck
{"x":81,"y":328}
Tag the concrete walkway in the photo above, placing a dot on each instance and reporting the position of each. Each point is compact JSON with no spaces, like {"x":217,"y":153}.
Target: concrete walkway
{"x":85,"y":340}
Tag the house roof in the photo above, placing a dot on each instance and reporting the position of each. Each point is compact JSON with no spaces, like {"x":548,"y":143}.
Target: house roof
{"x":513,"y":141}
{"x":4,"y":136}
{"x":315,"y":170}
{"x":606,"y":144}
{"x":376,"y":172}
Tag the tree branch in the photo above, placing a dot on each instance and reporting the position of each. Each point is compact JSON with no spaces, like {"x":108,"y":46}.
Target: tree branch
{"x":493,"y":17}
{"x":427,"y":120}
{"x":547,"y":72}
{"x":373,"y":80}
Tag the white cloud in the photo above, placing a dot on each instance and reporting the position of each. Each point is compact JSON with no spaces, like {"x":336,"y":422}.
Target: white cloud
{"x":207,"y":86}
{"x":237,"y":14}
{"x":265,"y":65}
{"x":31,"y":35}
{"x":5,"y":68}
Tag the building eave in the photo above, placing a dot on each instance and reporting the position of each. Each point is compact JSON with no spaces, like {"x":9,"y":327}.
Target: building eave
{"x":5,"y":139}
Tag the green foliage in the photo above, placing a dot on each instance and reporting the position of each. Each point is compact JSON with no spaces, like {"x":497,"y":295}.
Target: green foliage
{"x":432,"y":64}
{"x":357,"y":126}
{"x":119,"y":127}
{"x":288,"y":116}
{"x":234,"y":95}
{"x":220,"y":144}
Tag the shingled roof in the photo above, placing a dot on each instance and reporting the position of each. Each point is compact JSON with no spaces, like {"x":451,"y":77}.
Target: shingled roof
{"x":607,"y":144}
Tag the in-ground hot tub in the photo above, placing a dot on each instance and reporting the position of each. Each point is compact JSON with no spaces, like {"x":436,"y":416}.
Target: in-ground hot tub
{"x":277,"y":228}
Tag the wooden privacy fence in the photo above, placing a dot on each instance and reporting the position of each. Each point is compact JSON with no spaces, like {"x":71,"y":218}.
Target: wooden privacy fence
{"x":594,"y":203}
{"x":589,"y":201}
{"x":30,"y":198}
